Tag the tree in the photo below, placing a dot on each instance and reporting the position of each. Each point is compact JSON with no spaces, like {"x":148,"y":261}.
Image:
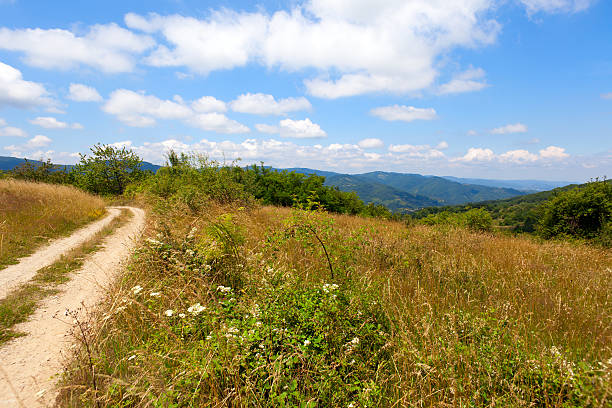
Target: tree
{"x":581,"y":212}
{"x":108,"y":170}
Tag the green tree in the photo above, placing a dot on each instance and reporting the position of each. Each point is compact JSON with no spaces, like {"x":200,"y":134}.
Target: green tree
{"x":581,"y":212}
{"x":108,"y":170}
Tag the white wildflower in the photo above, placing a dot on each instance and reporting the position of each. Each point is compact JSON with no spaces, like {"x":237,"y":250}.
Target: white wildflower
{"x":133,"y":356}
{"x":355,"y":341}
{"x":155,"y":294}
{"x":196,"y":309}
{"x":208,"y":337}
{"x":154,"y":241}
{"x":351,"y":405}
{"x":137,"y":289}
{"x":233,"y":330}
{"x":224,"y":289}
{"x":330,"y":287}
{"x":258,"y":324}
{"x":306,"y":342}
{"x":182,"y":315}
{"x":169,"y":312}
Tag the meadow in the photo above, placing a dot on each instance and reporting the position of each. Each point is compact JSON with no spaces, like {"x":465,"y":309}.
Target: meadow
{"x":236,"y":304}
{"x":33,"y":213}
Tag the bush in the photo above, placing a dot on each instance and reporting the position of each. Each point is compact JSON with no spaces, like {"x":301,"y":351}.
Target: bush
{"x":478,"y":219}
{"x":580,"y":213}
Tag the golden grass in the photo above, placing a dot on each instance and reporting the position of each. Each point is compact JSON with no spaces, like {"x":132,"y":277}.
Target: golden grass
{"x":33,"y":213}
{"x":467,"y":309}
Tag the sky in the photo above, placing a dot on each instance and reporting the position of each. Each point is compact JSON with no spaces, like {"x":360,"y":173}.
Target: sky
{"x":505,"y":89}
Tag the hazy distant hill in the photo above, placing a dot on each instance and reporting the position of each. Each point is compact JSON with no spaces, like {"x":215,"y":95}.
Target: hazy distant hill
{"x":9,"y":163}
{"x":522,"y":185}
{"x":400,"y":191}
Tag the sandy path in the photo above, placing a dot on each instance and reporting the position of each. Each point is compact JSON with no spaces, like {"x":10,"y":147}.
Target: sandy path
{"x":29,"y":365}
{"x":14,"y":275}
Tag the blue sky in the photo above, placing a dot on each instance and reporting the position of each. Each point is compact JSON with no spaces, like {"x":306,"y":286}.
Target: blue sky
{"x":477,"y":88}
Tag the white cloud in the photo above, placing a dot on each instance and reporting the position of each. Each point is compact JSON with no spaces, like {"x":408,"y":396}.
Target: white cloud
{"x":109,"y":48}
{"x":556,"y":6}
{"x":553,"y":153}
{"x":606,"y":95}
{"x":217,"y":122}
{"x":262,"y":104}
{"x":468,"y":81}
{"x":403,"y":113}
{"x":14,"y":91}
{"x":518,"y":156}
{"x":49,"y":122}
{"x":421,"y":151}
{"x":11,"y":131}
{"x":371,"y":143}
{"x":442,"y":145}
{"x":2,"y":122}
{"x":399,"y":41}
{"x":476,"y":154}
{"x":207,"y":104}
{"x":83,"y":93}
{"x":296,"y":129}
{"x":38,"y":141}
{"x":514,"y":128}
{"x":472,"y":133}
{"x":137,"y":109}
{"x":140,"y":110}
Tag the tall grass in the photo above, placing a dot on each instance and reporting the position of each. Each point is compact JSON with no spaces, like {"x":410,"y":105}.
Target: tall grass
{"x":33,"y":213}
{"x":238,"y":307}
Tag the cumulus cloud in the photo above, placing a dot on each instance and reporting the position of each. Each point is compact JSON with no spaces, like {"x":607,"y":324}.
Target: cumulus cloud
{"x":10,"y":131}
{"x":262,"y":104}
{"x":36,"y":142}
{"x":476,"y":154}
{"x":137,"y":109}
{"x":371,"y":143}
{"x":83,"y":93}
{"x":556,"y":6}
{"x":49,"y":122}
{"x":16,"y":92}
{"x":399,"y":42}
{"x":217,"y":122}
{"x":403,"y":113}
{"x":296,"y":129}
{"x":422,"y":151}
{"x":554,"y":153}
{"x":442,"y":145}
{"x":208,"y":104}
{"x":514,"y":128}
{"x":467,"y":81}
{"x":109,"y":48}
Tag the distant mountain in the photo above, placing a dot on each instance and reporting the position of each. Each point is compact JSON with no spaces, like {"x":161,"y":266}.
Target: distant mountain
{"x":9,"y":163}
{"x":522,"y":185}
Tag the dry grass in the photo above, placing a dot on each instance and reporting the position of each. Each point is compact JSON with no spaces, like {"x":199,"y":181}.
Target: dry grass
{"x":476,"y":319}
{"x":33,"y":213}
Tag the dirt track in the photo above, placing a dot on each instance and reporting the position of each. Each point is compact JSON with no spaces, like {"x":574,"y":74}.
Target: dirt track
{"x":14,"y":275}
{"x":29,"y":365}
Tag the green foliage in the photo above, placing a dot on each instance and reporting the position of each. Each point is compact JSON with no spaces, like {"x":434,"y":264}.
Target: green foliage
{"x":476,"y":219}
{"x":45,"y":172}
{"x":108,"y":170}
{"x":582,"y":212}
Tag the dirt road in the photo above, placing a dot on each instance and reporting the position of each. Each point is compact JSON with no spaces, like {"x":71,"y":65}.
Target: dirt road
{"x":29,"y":365}
{"x":14,"y":275}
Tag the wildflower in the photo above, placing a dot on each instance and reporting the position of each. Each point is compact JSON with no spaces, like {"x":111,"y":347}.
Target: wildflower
{"x":133,"y":356}
{"x":351,"y":405}
{"x":196,"y":309}
{"x":233,"y":330}
{"x":355,"y":341}
{"x":330,"y":287}
{"x":155,"y":294}
{"x":154,"y":241}
{"x":224,"y":289}
{"x":208,"y":337}
{"x":258,"y":324}
{"x":192,"y":233}
{"x":169,"y":312}
{"x":182,"y":315}
{"x":137,"y":289}
{"x":306,"y":342}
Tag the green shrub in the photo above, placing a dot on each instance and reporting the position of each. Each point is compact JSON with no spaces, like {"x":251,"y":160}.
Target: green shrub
{"x":478,"y":219}
{"x":581,"y":212}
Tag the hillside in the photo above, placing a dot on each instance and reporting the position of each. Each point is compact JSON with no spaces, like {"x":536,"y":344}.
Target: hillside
{"x":9,"y":163}
{"x":530,"y":186}
{"x":406,"y":192}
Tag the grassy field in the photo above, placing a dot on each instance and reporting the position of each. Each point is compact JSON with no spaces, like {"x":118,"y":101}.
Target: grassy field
{"x":33,"y":213}
{"x":265,"y":306}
